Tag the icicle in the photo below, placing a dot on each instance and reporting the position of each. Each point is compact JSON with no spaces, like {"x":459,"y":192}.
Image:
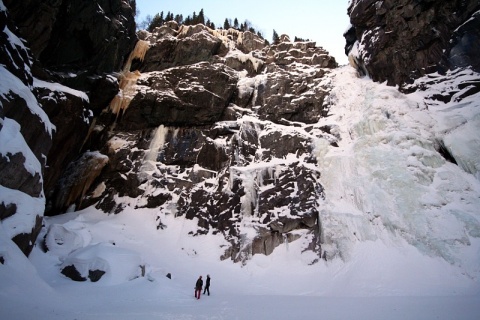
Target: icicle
{"x":138,"y":53}
{"x":259,"y":82}
{"x":276,"y":174}
{"x":175,"y":133}
{"x":128,"y":79}
{"x":126,"y":93}
{"x":230,"y":181}
{"x":260,"y":174}
{"x":270,"y":174}
{"x":223,"y":35}
{"x":157,"y":143}
{"x":249,"y":200}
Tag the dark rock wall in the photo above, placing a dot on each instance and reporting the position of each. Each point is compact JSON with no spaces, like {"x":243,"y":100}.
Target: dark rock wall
{"x":200,"y":107}
{"x":71,"y":35}
{"x":210,"y":135}
{"x":75,"y":43}
{"x":402,"y":40}
{"x":35,"y":20}
{"x":69,"y":45}
{"x":22,"y":121}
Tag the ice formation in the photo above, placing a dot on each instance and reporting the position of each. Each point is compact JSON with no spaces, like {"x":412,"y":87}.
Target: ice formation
{"x":128,"y":79}
{"x":228,"y":37}
{"x":159,"y":136}
{"x":244,"y":57}
{"x":386,"y":180}
{"x":141,"y":48}
{"x":121,"y":101}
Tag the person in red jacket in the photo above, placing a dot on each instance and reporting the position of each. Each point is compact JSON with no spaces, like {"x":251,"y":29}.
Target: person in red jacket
{"x":198,"y":287}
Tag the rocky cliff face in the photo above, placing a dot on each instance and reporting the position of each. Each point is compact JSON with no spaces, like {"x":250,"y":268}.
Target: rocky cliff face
{"x":399,"y":41}
{"x":71,"y":35}
{"x":57,"y":57}
{"x":214,"y":126}
{"x":23,"y":148}
{"x":76,"y":44}
{"x":220,"y":129}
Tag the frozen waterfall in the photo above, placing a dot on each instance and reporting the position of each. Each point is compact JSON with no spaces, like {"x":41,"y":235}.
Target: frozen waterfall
{"x":386,"y":180}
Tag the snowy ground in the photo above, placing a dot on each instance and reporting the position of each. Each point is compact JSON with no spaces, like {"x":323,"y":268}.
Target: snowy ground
{"x":386,"y":267}
{"x":379,"y":282}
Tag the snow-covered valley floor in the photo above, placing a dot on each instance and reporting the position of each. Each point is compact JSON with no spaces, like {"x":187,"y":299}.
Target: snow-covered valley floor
{"x":379,"y":282}
{"x":392,"y":265}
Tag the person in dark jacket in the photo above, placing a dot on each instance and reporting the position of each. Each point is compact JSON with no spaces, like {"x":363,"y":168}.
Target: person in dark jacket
{"x":198,"y":287}
{"x":207,"y":285}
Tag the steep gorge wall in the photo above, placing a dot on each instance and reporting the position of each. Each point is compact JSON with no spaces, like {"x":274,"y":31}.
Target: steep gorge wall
{"x":25,"y":138}
{"x":399,"y":41}
{"x":77,"y":44}
{"x":220,"y":130}
{"x":73,"y":35}
{"x":199,"y":138}
{"x":57,"y":59}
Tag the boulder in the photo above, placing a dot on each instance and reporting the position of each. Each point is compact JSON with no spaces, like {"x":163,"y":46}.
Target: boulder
{"x":26,"y":240}
{"x":16,"y":176}
{"x":62,"y":240}
{"x":251,"y":42}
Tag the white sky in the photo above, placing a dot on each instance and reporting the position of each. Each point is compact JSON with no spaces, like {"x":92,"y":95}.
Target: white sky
{"x":323,"y":21}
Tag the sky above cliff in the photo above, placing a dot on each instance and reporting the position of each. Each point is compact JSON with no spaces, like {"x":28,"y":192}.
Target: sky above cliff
{"x":323,"y":21}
